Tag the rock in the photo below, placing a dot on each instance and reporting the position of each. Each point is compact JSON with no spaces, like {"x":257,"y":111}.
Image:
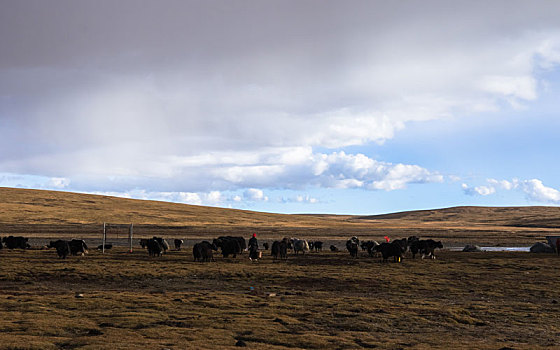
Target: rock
{"x":541,"y":247}
{"x":472,"y":248}
{"x":241,"y":343}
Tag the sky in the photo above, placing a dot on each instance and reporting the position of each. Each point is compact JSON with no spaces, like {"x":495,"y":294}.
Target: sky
{"x":292,"y":106}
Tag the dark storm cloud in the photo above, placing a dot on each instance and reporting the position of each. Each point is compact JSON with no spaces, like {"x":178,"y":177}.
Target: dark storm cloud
{"x":128,"y":34}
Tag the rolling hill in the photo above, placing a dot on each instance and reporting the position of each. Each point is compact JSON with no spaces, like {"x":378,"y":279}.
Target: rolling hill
{"x":536,"y":216}
{"x":59,"y":208}
{"x":55,"y":213}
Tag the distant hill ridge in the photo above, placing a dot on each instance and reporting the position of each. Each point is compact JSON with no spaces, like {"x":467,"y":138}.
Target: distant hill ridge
{"x":41,"y":207}
{"x":29,"y":206}
{"x":527,"y":216}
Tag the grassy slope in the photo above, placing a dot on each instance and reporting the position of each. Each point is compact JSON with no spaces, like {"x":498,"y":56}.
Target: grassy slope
{"x":53,"y":207}
{"x":544,"y":217}
{"x":52,"y":213}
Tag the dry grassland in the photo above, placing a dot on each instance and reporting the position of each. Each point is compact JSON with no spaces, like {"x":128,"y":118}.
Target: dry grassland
{"x":318,"y":301}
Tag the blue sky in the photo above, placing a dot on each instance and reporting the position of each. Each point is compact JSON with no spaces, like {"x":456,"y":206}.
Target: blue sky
{"x":359,"y":107}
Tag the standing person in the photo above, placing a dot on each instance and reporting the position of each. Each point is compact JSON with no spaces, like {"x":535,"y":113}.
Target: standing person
{"x":253,"y":242}
{"x":253,"y":247}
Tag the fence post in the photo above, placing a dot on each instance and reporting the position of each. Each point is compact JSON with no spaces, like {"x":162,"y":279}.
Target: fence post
{"x":130,"y":237}
{"x":104,"y":236}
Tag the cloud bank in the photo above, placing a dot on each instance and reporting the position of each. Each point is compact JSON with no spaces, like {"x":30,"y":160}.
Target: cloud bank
{"x":192,"y":97}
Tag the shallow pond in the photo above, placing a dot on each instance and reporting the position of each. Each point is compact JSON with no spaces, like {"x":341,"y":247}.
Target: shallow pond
{"x":494,"y":249}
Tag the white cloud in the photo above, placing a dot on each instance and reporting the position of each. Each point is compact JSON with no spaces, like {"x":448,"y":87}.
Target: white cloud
{"x":213,"y":198}
{"x":334,"y":170}
{"x":34,"y":181}
{"x":549,"y":53}
{"x":300,"y":198}
{"x":538,"y":192}
{"x":58,"y":183}
{"x":253,"y":194}
{"x":399,"y":175}
{"x":534,"y":189}
{"x":518,"y":87}
{"x":504,"y":184}
{"x":189,"y":198}
{"x":283,"y":168}
{"x":454,"y":178}
{"x":478,"y":190}
{"x":306,"y":199}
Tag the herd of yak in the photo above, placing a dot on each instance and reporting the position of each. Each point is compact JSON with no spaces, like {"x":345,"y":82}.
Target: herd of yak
{"x":232,"y":246}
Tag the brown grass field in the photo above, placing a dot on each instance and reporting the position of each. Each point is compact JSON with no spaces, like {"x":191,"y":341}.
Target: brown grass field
{"x":325,"y":300}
